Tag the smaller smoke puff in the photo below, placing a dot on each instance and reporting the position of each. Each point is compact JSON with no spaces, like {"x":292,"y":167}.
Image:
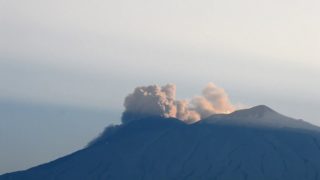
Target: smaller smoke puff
{"x":213,"y":100}
{"x":160,"y":101}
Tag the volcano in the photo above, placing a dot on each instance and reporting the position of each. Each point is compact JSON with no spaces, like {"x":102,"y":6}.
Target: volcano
{"x":252,"y":144}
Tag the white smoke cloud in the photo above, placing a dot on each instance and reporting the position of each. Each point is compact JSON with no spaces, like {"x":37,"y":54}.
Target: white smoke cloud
{"x":213,"y":100}
{"x":161,"y":101}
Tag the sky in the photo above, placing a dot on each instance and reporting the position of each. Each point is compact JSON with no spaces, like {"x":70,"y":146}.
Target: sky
{"x":91,"y":54}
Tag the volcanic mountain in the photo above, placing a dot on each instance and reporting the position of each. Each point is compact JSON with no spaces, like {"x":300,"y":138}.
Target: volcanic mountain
{"x":250,"y":144}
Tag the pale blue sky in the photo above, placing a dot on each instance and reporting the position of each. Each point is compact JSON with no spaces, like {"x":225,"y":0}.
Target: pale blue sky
{"x":91,"y":54}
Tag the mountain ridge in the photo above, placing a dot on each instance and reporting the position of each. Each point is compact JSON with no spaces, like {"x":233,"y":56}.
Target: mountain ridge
{"x":156,"y":148}
{"x":259,"y":116}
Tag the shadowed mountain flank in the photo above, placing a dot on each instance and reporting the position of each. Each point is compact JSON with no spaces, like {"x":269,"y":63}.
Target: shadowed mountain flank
{"x":221,"y":147}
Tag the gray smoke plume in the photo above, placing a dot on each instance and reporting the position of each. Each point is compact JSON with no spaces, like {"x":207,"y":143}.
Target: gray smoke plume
{"x":161,"y":101}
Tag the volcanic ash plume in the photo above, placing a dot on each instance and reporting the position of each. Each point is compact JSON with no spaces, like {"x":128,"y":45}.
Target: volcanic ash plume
{"x":160,"y":101}
{"x":213,"y":100}
{"x":150,"y":101}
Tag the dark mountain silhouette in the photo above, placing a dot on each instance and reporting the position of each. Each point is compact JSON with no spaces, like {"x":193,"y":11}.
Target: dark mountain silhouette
{"x":253,"y":144}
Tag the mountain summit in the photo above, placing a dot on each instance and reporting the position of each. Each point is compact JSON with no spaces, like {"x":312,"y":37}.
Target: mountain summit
{"x":259,"y":116}
{"x":257,"y":112}
{"x":256,"y":143}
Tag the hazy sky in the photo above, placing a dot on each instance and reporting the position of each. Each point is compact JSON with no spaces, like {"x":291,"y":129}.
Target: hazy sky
{"x":93,"y":53}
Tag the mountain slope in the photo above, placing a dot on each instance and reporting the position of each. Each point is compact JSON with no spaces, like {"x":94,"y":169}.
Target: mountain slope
{"x":158,"y":148}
